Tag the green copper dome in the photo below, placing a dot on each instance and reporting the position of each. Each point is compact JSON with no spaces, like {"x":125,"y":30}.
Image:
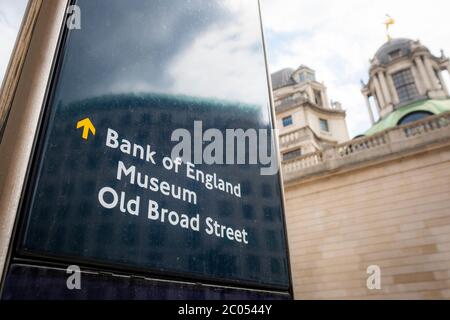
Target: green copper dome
{"x":432,"y":106}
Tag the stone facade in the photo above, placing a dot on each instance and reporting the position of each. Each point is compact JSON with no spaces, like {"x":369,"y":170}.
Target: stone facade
{"x":381,"y":202}
{"x":303,"y":109}
{"x":377,"y":200}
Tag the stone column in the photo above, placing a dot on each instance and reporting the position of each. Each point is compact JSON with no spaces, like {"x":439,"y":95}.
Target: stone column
{"x":372,"y":119}
{"x":381,"y":102}
{"x":325,"y":101}
{"x":444,"y":85}
{"x":384,"y":87}
{"x":377,"y":104}
{"x":391,"y":85}
{"x":432,"y":75}
{"x":423,"y":73}
{"x":310,"y":92}
{"x":419,"y":81}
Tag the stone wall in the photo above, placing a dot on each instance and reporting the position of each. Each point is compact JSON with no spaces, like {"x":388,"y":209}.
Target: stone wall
{"x":394,"y":214}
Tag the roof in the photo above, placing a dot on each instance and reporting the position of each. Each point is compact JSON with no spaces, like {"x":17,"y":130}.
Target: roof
{"x":402,"y":44}
{"x":433,"y":106}
{"x":282,"y":78}
{"x":302,"y":66}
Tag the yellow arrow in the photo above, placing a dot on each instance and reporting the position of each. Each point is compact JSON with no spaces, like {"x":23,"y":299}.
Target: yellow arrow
{"x":87,"y":126}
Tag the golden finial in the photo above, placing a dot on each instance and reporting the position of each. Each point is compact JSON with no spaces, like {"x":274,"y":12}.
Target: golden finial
{"x":389,"y":22}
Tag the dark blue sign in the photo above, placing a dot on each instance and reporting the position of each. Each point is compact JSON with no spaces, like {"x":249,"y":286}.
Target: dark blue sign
{"x":25,"y":282}
{"x":107,"y":190}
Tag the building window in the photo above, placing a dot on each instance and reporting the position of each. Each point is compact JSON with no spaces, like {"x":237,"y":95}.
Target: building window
{"x":292,"y":154}
{"x":405,"y":85}
{"x":287,"y":121}
{"x":324,"y":125}
{"x":318,"y":98}
{"x":306,"y":76}
{"x":414,"y":116}
{"x":395,"y":54}
{"x":301,"y":77}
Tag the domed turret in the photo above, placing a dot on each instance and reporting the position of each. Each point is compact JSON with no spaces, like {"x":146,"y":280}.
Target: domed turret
{"x":403,"y":72}
{"x":400,"y":47}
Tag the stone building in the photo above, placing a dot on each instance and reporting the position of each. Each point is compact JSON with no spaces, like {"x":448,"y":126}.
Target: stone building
{"x":307,"y":120}
{"x":381,"y":199}
{"x":406,"y":83}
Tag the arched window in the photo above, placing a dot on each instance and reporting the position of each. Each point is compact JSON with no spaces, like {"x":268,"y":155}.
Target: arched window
{"x":414,"y":116}
{"x":405,"y":85}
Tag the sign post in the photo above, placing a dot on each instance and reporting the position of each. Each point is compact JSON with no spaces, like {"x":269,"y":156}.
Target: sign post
{"x":156,"y":156}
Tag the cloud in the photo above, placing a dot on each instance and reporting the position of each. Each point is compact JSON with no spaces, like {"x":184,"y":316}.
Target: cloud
{"x":232,"y":54}
{"x":161,"y":46}
{"x":337,"y":39}
{"x":117,"y":53}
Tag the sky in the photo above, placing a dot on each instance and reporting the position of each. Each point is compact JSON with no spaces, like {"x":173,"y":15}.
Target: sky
{"x":336,"y":38}
{"x":11,"y":12}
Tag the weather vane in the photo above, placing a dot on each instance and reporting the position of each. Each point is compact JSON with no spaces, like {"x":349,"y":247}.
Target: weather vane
{"x":389,"y":22}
